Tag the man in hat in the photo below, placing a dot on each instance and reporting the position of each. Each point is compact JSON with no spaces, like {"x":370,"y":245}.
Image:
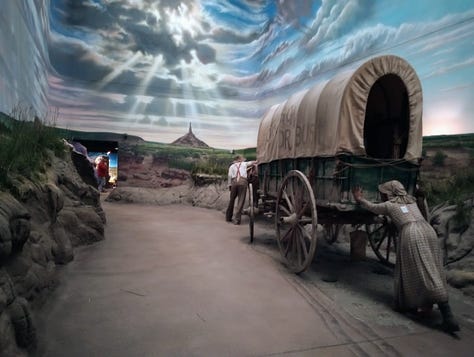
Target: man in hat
{"x":237,"y":181}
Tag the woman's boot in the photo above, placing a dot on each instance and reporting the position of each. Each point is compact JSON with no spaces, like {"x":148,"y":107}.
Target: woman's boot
{"x":449,"y":322}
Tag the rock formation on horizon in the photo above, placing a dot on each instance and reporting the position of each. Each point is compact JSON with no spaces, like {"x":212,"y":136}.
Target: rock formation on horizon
{"x":190,"y":140}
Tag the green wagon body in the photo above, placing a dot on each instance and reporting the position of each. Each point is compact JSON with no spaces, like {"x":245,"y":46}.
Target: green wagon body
{"x":332,"y":179}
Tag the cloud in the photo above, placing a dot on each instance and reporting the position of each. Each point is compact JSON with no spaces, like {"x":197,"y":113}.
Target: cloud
{"x":292,"y":12}
{"x":159,"y":106}
{"x":82,"y":14}
{"x":73,"y":58}
{"x":336,"y":18}
{"x":228,"y":36}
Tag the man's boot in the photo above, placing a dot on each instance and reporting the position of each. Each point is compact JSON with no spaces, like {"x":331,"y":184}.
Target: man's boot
{"x":449,"y":322}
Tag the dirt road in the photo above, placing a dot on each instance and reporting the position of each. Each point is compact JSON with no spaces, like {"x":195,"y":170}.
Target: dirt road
{"x":179,"y":280}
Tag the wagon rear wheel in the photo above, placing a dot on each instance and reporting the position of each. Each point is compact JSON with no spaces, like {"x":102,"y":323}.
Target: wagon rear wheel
{"x":383,"y":240}
{"x":296,"y":221}
{"x":251,"y":213}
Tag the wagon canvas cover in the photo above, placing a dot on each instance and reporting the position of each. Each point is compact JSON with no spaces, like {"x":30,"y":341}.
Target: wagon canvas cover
{"x":328,"y":119}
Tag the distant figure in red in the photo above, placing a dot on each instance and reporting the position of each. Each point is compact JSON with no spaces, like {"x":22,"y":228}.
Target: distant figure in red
{"x":102,"y":172}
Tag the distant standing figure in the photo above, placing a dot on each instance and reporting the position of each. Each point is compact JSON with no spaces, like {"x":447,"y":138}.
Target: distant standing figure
{"x":102,"y":169}
{"x":420,"y":280}
{"x":237,"y":181}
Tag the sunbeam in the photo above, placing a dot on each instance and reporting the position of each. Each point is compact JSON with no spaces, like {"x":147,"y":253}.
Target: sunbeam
{"x":144,"y":86}
{"x":117,"y":71}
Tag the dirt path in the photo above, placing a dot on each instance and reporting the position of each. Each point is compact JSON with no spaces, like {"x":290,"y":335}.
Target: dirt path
{"x":178,"y":280}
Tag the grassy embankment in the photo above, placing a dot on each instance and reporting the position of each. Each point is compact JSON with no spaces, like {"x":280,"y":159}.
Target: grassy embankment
{"x":25,"y":145}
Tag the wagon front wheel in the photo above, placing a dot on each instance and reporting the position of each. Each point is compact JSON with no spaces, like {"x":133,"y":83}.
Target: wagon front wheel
{"x":296,"y":221}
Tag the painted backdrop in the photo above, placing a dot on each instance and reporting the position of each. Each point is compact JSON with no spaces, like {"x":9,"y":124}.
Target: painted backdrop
{"x":149,"y":67}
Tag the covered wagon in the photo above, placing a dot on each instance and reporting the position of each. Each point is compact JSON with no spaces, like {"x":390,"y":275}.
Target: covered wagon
{"x":362,"y":127}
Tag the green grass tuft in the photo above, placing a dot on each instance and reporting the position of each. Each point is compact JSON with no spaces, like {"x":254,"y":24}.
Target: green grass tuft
{"x":25,"y":141}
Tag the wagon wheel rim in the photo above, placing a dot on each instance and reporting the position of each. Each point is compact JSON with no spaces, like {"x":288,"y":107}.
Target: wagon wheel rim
{"x":251,"y":213}
{"x":296,"y":221}
{"x":332,"y":232}
{"x":383,"y":241}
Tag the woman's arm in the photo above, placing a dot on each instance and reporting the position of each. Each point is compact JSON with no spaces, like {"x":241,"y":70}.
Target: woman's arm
{"x":377,"y":208}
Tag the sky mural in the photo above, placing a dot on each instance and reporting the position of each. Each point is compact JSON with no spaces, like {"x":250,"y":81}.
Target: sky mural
{"x":150,"y":67}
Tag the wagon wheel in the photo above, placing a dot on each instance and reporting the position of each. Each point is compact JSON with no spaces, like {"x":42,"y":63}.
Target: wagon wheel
{"x":332,"y":232}
{"x":383,"y":240}
{"x":251,"y":212}
{"x":296,"y":221}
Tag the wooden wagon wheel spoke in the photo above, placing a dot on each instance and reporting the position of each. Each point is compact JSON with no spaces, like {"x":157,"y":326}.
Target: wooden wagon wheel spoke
{"x":301,"y":198}
{"x":288,"y":202}
{"x":303,"y":242}
{"x":296,"y":195}
{"x":283,"y":208}
{"x":383,"y":240}
{"x":287,"y":234}
{"x":384,"y":236}
{"x":287,"y":249}
{"x":375,"y":231}
{"x":300,"y":249}
{"x":306,"y":234}
{"x":302,"y":210}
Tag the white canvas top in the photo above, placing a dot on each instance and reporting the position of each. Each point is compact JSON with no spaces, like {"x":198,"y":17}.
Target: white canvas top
{"x":328,"y":119}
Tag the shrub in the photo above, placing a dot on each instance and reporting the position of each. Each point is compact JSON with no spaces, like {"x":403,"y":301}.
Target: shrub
{"x":438,"y":158}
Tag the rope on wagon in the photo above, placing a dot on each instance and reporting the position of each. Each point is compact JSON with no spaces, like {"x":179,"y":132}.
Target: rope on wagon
{"x":378,"y":163}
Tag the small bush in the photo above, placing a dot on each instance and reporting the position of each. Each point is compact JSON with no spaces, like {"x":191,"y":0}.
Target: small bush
{"x":438,"y":158}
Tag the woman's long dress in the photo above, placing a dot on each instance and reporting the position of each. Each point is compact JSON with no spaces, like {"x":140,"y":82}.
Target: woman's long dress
{"x":419,"y":274}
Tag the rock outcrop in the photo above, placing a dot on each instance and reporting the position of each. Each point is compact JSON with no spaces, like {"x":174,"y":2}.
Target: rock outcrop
{"x":40,"y":224}
{"x":190,"y":140}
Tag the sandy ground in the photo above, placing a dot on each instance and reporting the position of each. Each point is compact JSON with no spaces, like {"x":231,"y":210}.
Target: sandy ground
{"x":178,"y":280}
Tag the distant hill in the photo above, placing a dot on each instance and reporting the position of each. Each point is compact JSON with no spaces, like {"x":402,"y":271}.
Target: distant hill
{"x":99,"y":136}
{"x":457,"y":140}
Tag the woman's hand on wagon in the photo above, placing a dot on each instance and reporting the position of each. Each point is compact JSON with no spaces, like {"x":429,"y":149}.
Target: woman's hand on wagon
{"x":357,"y":193}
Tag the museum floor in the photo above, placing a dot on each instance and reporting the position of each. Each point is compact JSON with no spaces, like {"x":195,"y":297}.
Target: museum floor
{"x":180,"y":281}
